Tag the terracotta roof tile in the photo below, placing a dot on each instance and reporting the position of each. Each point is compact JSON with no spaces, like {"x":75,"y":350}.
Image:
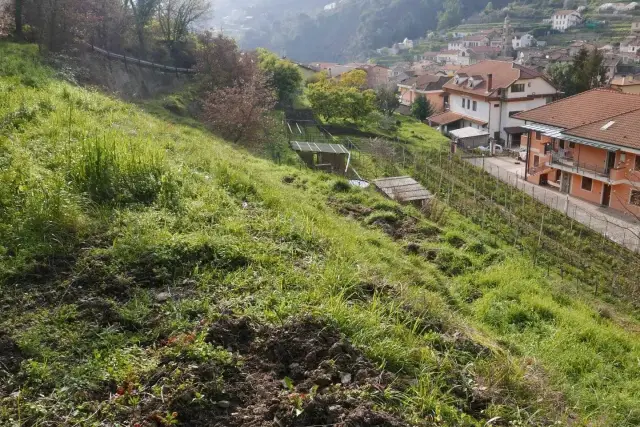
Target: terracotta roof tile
{"x":564,"y":12}
{"x":582,"y":109}
{"x":504,"y":74}
{"x":426,"y":82}
{"x":624,"y":130}
{"x":450,"y":117}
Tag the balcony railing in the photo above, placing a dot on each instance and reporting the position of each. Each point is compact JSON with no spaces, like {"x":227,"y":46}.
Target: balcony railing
{"x":579,"y":167}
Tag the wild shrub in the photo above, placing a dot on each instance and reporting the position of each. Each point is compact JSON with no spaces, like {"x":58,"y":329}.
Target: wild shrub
{"x":341,"y":186}
{"x":452,"y":262}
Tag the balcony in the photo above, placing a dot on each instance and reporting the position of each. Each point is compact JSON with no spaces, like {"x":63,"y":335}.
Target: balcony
{"x":569,"y":164}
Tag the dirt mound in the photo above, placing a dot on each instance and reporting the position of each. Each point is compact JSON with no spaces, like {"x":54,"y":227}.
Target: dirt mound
{"x":10,"y":358}
{"x":10,"y":355}
{"x":300,"y":374}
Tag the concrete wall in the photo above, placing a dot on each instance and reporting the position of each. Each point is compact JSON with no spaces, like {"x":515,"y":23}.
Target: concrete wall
{"x":620,"y":195}
{"x":593,"y":196}
{"x":435,"y":97}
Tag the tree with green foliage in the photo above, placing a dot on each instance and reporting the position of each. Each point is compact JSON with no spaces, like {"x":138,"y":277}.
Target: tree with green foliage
{"x":355,"y":79}
{"x":333,"y":99}
{"x":451,"y":15}
{"x":587,"y":71}
{"x":282,"y":75}
{"x":421,"y":108}
{"x":488,"y":8}
{"x":387,"y":100}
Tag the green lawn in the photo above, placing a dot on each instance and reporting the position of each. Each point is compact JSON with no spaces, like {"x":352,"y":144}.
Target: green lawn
{"x":134,"y":244}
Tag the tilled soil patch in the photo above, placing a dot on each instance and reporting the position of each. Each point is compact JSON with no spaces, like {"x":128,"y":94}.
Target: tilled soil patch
{"x":301,"y":374}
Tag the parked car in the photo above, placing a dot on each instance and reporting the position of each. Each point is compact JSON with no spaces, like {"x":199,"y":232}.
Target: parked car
{"x":497,"y":148}
{"x":522,"y":154}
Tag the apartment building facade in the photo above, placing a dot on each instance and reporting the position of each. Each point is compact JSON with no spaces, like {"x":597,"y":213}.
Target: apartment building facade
{"x":488,"y":94}
{"x":587,"y":146}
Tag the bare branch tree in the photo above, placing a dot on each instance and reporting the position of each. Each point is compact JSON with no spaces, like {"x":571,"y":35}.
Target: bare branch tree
{"x":240,"y":113}
{"x":143,"y":11}
{"x":176,"y":16}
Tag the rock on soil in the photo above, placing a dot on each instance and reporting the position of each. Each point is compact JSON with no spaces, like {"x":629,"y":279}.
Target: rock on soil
{"x":10,"y":358}
{"x":301,"y":374}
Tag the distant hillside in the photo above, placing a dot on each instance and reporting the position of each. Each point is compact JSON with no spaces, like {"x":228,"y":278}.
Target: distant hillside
{"x":352,"y":29}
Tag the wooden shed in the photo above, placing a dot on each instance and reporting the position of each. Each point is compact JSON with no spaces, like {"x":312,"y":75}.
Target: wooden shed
{"x":329,"y":157}
{"x":403,"y":189}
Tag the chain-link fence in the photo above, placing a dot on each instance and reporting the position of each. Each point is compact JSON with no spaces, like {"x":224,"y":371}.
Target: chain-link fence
{"x":619,"y":230}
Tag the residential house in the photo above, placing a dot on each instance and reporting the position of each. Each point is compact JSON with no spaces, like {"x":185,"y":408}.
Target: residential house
{"x":611,"y":63}
{"x":332,"y":69}
{"x":400,"y":72}
{"x":429,"y":86}
{"x":522,"y":40}
{"x":455,"y":44}
{"x":630,"y":45}
{"x":486,"y":95}
{"x":448,"y":56}
{"x":627,"y":84}
{"x":496,"y":41}
{"x":481,"y":53}
{"x":578,"y":45}
{"x":588,"y":146}
{"x":635,"y":27}
{"x":429,"y":56}
{"x":476,"y":40}
{"x":377,"y":75}
{"x":563,"y":19}
{"x":406,"y":44}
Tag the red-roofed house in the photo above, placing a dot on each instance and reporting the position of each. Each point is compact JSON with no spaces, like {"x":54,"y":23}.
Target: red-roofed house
{"x":486,"y":95}
{"x":427,"y":85}
{"x":588,"y":145}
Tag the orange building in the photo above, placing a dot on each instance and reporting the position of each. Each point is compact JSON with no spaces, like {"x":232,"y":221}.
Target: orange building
{"x":427,"y":85}
{"x":588,"y":146}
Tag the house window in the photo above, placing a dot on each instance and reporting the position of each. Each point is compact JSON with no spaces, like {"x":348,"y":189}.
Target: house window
{"x":561,"y":144}
{"x":513,"y":113}
{"x":517,"y":87}
{"x":634,"y":199}
{"x":572,"y":145}
{"x":587,"y":183}
{"x":536,"y":161}
{"x":463,"y":102}
{"x":475,"y":105}
{"x":637,"y":166}
{"x":538,"y":136}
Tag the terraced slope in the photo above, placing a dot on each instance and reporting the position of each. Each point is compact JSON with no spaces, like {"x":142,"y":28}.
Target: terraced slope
{"x":152,"y":274}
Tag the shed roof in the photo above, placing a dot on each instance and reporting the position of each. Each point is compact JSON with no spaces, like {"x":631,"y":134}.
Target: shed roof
{"x":402,"y":188}
{"x":318,"y":147}
{"x":468,"y":132}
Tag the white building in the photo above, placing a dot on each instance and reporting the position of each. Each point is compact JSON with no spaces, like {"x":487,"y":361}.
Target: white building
{"x":635,"y":27}
{"x":630,"y":45}
{"x":486,"y":95}
{"x":406,"y":44}
{"x":520,"y":41}
{"x":563,"y":19}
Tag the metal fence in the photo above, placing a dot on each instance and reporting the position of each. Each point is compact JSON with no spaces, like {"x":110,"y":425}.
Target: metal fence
{"x":616,"y":229}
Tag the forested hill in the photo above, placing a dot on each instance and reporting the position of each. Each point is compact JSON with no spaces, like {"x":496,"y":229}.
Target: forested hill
{"x":353,"y":28}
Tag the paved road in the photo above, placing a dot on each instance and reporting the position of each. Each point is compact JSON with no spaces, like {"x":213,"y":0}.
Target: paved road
{"x":620,"y":228}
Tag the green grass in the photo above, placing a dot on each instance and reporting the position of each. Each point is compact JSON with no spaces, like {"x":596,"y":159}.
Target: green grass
{"x":104,"y":205}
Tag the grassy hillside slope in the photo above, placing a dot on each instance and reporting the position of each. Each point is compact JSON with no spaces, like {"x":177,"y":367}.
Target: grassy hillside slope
{"x":152,"y":274}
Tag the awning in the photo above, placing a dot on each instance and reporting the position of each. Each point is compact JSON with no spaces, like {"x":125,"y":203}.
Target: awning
{"x":317,"y":147}
{"x":515,"y":130}
{"x":468,"y":132}
{"x":554,"y":132}
{"x":450,"y":117}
